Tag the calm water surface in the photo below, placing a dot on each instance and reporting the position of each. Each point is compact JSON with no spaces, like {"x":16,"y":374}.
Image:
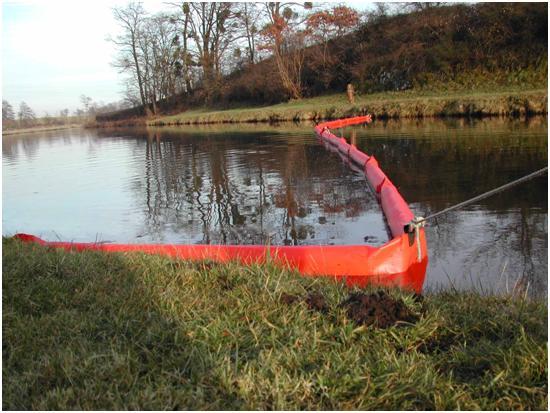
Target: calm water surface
{"x":259,"y":184}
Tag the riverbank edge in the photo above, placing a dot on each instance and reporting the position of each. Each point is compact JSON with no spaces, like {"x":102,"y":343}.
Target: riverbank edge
{"x":381,"y":106}
{"x":39,"y":129}
{"x":96,"y":330}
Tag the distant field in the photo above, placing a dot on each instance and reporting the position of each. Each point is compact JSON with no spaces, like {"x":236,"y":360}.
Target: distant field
{"x":407,"y":104}
{"x":127,"y":331}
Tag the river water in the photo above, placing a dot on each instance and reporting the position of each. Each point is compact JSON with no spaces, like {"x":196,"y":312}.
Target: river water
{"x":250,"y":184}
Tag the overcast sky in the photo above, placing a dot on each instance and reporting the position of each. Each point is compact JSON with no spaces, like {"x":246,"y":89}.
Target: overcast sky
{"x":54,"y":51}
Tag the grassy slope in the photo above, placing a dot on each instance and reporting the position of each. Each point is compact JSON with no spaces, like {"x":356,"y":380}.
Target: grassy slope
{"x":408,"y":104}
{"x":97,"y":331}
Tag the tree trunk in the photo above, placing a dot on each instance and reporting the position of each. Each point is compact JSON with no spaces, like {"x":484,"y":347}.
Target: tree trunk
{"x":138,"y":72}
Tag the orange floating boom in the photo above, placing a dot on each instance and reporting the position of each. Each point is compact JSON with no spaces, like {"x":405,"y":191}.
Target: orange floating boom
{"x":398,"y":263}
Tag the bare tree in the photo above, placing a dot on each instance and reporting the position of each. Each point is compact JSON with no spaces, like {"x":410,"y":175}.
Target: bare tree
{"x":131,"y":20}
{"x":211,"y":30}
{"x":249,"y":18}
{"x":86,"y":102}
{"x":26,"y":115}
{"x":182,"y":19}
{"x":285,"y":38}
{"x":8,"y":115}
{"x":200,"y":42}
{"x":324,"y":25}
{"x":160,"y":52}
{"x":7,"y":111}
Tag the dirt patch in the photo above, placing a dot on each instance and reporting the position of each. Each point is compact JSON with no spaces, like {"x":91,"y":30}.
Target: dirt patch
{"x":316,"y":301}
{"x":377,"y":309}
{"x":288,"y":298}
{"x":437,"y":345}
{"x":225,"y":283}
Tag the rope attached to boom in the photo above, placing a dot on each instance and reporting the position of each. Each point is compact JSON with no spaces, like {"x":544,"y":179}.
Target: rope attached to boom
{"x":418,"y":222}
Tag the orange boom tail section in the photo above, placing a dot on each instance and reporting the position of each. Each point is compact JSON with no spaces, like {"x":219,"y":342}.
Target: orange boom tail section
{"x":401,"y":262}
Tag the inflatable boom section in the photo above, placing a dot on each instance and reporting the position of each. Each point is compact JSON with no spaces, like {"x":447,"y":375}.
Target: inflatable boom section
{"x":401,"y":262}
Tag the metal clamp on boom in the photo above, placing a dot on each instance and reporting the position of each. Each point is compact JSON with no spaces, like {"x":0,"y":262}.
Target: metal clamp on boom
{"x":414,"y":227}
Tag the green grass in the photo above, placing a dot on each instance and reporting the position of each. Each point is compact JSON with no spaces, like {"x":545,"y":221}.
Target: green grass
{"x":503,"y":101}
{"x":129,"y":331}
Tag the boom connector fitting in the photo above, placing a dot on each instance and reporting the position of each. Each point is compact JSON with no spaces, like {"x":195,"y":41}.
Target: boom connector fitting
{"x":417,"y":222}
{"x":413,"y":227}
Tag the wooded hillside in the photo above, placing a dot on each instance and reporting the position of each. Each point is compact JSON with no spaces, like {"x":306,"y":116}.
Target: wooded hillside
{"x":438,"y":44}
{"x":411,"y":47}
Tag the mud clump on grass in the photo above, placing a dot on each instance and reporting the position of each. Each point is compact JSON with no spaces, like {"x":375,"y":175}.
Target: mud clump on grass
{"x":377,"y":309}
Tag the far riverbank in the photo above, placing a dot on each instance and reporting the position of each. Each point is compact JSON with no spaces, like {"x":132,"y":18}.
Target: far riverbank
{"x":407,"y":104}
{"x":38,"y":129}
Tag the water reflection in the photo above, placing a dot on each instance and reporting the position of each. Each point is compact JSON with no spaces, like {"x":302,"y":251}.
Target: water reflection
{"x":261,"y":186}
{"x":500,"y":242}
{"x":245,"y":184}
{"x":252,"y":189}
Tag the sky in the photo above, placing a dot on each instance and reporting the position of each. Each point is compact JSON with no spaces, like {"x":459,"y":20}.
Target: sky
{"x":53,"y":51}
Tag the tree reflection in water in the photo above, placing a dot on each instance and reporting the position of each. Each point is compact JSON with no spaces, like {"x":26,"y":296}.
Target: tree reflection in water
{"x":252,"y":189}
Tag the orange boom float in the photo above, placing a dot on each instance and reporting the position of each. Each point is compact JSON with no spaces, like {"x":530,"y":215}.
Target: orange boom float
{"x":401,"y":262}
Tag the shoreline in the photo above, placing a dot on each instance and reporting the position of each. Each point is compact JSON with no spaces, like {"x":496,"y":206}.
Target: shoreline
{"x":395,"y":105}
{"x":39,"y":129}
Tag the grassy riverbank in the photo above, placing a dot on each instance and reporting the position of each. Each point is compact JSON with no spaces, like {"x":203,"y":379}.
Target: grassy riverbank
{"x":406,"y":104}
{"x":112,"y":331}
{"x":38,"y":129}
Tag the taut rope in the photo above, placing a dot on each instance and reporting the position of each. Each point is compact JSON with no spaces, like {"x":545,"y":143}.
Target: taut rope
{"x":420,"y":221}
